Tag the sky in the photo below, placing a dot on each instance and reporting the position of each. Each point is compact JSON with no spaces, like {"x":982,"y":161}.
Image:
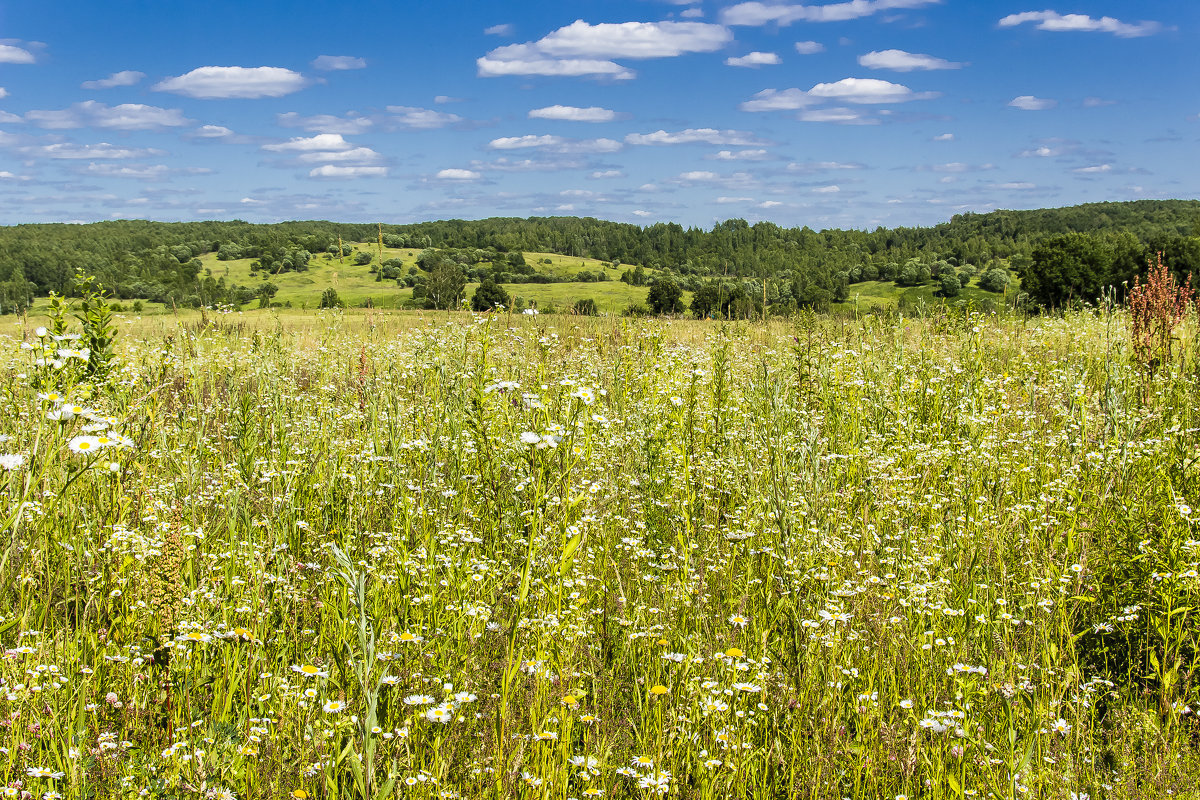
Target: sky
{"x":853,"y":114}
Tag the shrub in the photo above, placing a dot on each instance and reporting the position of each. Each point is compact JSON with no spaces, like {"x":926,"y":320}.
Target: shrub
{"x":330,"y":299}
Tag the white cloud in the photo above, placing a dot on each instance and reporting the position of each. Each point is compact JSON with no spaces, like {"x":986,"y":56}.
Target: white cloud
{"x":555,"y":144}
{"x":124,"y":117}
{"x":754,"y":59}
{"x":208,"y":83}
{"x":642,"y":213}
{"x":103,"y":150}
{"x":901,"y":61}
{"x":126,"y":77}
{"x":504,"y":164}
{"x":422,"y":118}
{"x":756,"y":13}
{"x":574,"y":113}
{"x":1028,"y":102}
{"x":848,"y":90}
{"x":809,"y":48}
{"x":839,"y":115}
{"x":607,"y":173}
{"x":6,"y":117}
{"x":944,"y":137}
{"x":740,"y":155}
{"x":692,"y":13}
{"x":700,"y":175}
{"x":212,"y":132}
{"x":695,"y":136}
{"x":1042,"y":151}
{"x":442,"y":99}
{"x":1097,"y":169}
{"x":504,"y":29}
{"x":724,"y":200}
{"x":770,"y":204}
{"x":4,"y":94}
{"x":117,"y":171}
{"x":823,"y":166}
{"x":320,"y":142}
{"x":11,"y":54}
{"x":1018,"y":185}
{"x":1097,"y":102}
{"x":1053,"y":21}
{"x":581,"y":49}
{"x":332,"y":171}
{"x":527,"y":63}
{"x":458,"y":175}
{"x":332,"y":63}
{"x":325,"y":123}
{"x":355,"y":155}
{"x":832,"y":188}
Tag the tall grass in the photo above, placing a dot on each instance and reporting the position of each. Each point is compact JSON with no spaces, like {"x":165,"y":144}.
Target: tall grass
{"x":458,"y":556}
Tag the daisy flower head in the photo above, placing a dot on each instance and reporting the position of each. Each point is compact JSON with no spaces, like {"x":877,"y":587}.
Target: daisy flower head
{"x":738,"y":621}
{"x":309,"y":671}
{"x":334,"y":706}
{"x":83,"y":445}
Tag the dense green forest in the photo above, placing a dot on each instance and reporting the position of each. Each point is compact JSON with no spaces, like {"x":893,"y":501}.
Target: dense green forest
{"x":1061,"y":255}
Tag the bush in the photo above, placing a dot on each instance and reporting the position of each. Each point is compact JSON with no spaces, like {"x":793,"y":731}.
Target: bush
{"x":994,"y":280}
{"x":585,"y":307}
{"x":489,"y":296}
{"x":330,"y":299}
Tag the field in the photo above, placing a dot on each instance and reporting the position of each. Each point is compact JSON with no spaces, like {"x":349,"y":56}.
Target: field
{"x":374,"y":554}
{"x":356,"y":284}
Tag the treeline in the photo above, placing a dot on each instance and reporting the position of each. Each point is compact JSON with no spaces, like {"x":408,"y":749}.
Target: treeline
{"x":1105,"y":243}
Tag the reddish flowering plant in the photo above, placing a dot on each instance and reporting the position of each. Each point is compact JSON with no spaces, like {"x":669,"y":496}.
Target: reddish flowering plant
{"x":1156,"y":309}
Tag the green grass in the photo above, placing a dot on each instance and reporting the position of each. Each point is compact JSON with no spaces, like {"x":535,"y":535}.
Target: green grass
{"x":346,"y":551}
{"x":867,"y":295}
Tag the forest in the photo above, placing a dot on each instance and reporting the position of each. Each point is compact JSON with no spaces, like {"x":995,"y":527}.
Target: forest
{"x":1062,"y":256}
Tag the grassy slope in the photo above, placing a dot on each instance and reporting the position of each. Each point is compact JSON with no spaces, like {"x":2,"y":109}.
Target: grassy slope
{"x":355,"y":283}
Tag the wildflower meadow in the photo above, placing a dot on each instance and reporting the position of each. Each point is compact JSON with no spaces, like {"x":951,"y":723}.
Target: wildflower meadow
{"x":452,"y":555}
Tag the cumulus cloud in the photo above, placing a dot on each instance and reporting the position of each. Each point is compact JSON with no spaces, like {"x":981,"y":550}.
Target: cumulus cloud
{"x":458,"y":175}
{"x":848,"y":90}
{"x":325,"y":123}
{"x":809,"y":48}
{"x":582,"y":49}
{"x":11,"y":54}
{"x":504,"y":29}
{"x":334,"y":63}
{"x":141,"y":172}
{"x":334,"y":171}
{"x":832,"y":188}
{"x":212,"y":132}
{"x":696,"y":136}
{"x":421,"y":118}
{"x":103,"y":150}
{"x":301,"y":144}
{"x":355,"y":155}
{"x":574,"y":113}
{"x":606,"y":173}
{"x":1054,"y":21}
{"x":555,"y":144}
{"x":1095,"y":169}
{"x":838,"y":115}
{"x":1028,"y":102}
{"x":823,"y":166}
{"x":740,"y":155}
{"x":901,"y":61}
{"x":754,"y":59}
{"x":944,"y":137}
{"x":210,"y":83}
{"x":124,"y":117}
{"x":126,"y":77}
{"x":756,"y":13}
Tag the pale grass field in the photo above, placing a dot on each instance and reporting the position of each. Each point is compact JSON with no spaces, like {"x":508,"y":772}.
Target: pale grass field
{"x":374,"y":554}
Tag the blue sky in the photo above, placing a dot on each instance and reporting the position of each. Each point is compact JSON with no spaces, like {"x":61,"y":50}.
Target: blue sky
{"x":851,"y":114}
